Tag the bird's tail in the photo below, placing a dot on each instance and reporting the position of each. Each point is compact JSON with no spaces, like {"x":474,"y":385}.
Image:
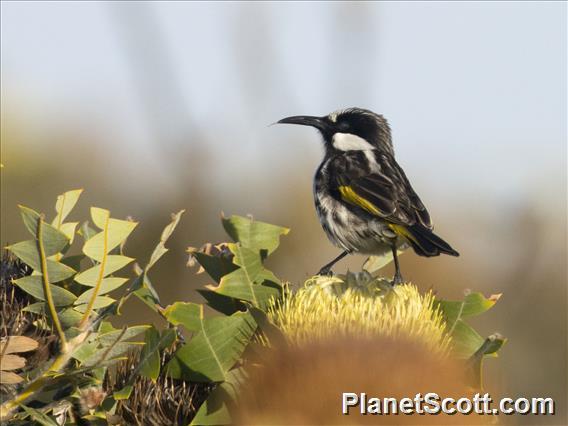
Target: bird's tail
{"x":424,"y":241}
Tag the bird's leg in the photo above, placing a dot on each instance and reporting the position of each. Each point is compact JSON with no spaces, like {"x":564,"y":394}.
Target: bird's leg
{"x":326,"y":269}
{"x":397,"y":275}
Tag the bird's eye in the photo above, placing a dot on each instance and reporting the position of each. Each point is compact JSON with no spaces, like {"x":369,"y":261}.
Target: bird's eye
{"x":343,"y":126}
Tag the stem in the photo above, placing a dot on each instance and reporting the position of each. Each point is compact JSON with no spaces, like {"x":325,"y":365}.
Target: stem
{"x":47,"y":288}
{"x":99,"y":279}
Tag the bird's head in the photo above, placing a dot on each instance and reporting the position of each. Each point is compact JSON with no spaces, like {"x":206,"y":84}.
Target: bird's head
{"x":353,"y":129}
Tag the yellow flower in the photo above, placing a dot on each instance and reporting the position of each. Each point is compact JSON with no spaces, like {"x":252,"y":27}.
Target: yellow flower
{"x":329,"y":307}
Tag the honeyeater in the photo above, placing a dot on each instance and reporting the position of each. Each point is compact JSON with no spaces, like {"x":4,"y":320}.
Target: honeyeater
{"x":363,"y":199}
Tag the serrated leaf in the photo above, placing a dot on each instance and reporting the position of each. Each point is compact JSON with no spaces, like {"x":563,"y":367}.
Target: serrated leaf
{"x":114,"y":233}
{"x":214,"y":350}
{"x":254,"y":235}
{"x":185,"y":313}
{"x":224,"y":304}
{"x":64,"y":204}
{"x":215,"y":409}
{"x":465,"y":339}
{"x":17,"y":344}
{"x":215,"y":266}
{"x":33,"y":285}
{"x":249,"y":282}
{"x":472,"y":305}
{"x":113,"y":263}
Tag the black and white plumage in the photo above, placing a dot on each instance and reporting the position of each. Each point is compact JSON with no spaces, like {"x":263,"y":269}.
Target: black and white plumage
{"x":364,"y":200}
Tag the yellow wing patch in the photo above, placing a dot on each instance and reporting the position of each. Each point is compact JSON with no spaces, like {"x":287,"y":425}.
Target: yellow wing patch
{"x":352,"y":197}
{"x":402,"y":231}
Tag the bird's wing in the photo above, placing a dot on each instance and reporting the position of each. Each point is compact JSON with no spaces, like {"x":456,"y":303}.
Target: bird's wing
{"x":379,"y":187}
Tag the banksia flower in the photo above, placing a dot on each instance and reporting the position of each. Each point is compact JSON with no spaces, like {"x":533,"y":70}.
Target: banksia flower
{"x":303,"y":385}
{"x":327,"y":307}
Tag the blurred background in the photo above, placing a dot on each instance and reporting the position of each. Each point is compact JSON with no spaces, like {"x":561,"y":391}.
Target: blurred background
{"x":155,"y":107}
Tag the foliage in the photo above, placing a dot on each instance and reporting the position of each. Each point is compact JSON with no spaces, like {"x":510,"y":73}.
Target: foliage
{"x":74,"y":287}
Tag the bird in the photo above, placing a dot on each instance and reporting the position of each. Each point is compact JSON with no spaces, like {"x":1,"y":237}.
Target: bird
{"x":363,"y":199}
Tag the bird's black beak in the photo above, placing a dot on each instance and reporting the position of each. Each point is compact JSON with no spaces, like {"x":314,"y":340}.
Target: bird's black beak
{"x":320,"y":123}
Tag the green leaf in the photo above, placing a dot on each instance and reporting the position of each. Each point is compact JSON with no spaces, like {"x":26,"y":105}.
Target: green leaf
{"x":257,"y":236}
{"x":113,"y":263}
{"x":185,"y":313}
{"x":69,"y":230}
{"x":107,"y":285}
{"x":38,"y":416}
{"x":161,"y":249}
{"x":490,"y":346}
{"x":472,"y":305}
{"x":150,"y":355}
{"x":251,"y":282}
{"x":215,"y":409}
{"x":86,"y":231}
{"x":64,"y":204}
{"x":73,"y":261}
{"x":31,"y":218}
{"x":143,"y":289}
{"x":273,"y":334}
{"x":111,"y":345}
{"x":214,"y":350}
{"x":100,"y":302}
{"x":224,"y":304}
{"x":69,"y":317}
{"x":122,"y":335}
{"x":114,"y":232}
{"x":465,"y":339}
{"x":124,"y":393}
{"x":99,"y":217}
{"x":215,"y":266}
{"x":28,"y":251}
{"x":33,"y":284}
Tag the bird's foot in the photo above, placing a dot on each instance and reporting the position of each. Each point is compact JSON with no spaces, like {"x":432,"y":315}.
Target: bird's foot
{"x":397,"y":279}
{"x":325,"y":271}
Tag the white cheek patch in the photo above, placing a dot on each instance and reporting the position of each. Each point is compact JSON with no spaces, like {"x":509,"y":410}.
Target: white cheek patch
{"x":350,"y":142}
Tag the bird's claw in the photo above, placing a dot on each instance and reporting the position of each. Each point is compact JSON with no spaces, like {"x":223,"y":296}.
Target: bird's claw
{"x":397,"y":279}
